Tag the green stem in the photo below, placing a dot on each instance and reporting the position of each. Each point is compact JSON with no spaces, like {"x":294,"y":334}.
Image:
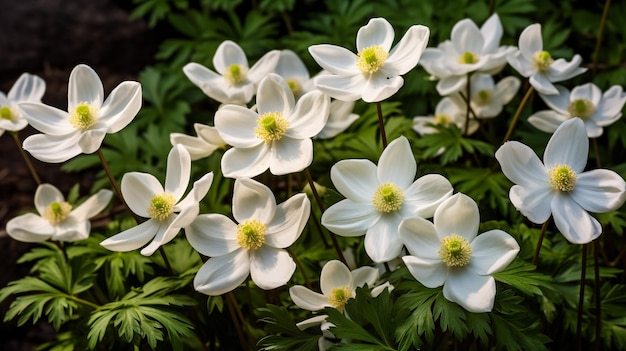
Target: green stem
{"x":540,"y":241}
{"x":165,"y":260}
{"x":29,"y":164}
{"x":596,"y":52}
{"x":467,"y":102}
{"x":84,"y":302}
{"x":581,"y":298}
{"x":381,"y":124}
{"x":318,"y":199}
{"x":118,"y":192}
{"x":233,"y":308}
{"x":525,"y":99}
{"x":307,"y":282}
{"x":596,"y":271}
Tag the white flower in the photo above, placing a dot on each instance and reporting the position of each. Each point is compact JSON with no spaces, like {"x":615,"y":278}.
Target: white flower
{"x":531,"y":61}
{"x":374,"y":74}
{"x":340,"y":117}
{"x":207,"y":141}
{"x":83,"y":128}
{"x":560,"y":187}
{"x":234,"y":82}
{"x":450,"y":253}
{"x":27,"y":88}
{"x":57,"y":219}
{"x":255,"y":245}
{"x":379,"y":197}
{"x":338,"y":284}
{"x":167,"y":212}
{"x":277,"y":137}
{"x":451,"y":110}
{"x":293,"y":70}
{"x":469,"y":50}
{"x":488,"y":98}
{"x":586,"y":102}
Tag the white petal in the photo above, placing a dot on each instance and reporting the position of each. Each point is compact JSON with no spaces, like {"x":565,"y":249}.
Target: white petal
{"x":491,"y":32}
{"x":28,"y":87}
{"x":46,"y":119}
{"x":45,"y":195}
{"x":121,"y":106}
{"x":466,"y":37}
{"x":214,"y":85}
{"x":587,"y":91}
{"x":492,"y":251}
{"x":167,"y":232}
{"x":334,"y":275}
{"x":381,"y":86}
{"x":84,"y":86}
{"x":290,"y":155}
{"x":364,"y":275}
{"x":198,"y":192}
{"x":476,"y":293}
{"x":212,"y":235}
{"x":345,"y":88}
{"x":270,"y":267}
{"x":178,"y":171}
{"x":223,"y":274}
{"x":425,"y":195}
{"x":133,"y":238}
{"x":397,"y":164}
{"x":507,"y":88}
{"x":542,"y":84}
{"x":310,"y":115}
{"x":382,"y":243}
{"x":561,"y":70}
{"x":420,"y":238}
{"x":264,"y":66}
{"x":209,"y":134}
{"x":138,"y":189}
{"x":431,"y":273}
{"x":521,"y":165}
{"x":533,"y":202}
{"x":340,"y":117}
{"x":406,"y":54}
{"x":198,"y":148}
{"x":91,"y":140}
{"x":253,"y":200}
{"x":315,"y":321}
{"x":547,"y":120}
{"x":274,"y":95}
{"x":576,"y":225}
{"x":558,"y":102}
{"x":290,"y":66}
{"x":93,"y":205}
{"x":349,"y":218}
{"x":236,"y":125}
{"x":451,"y":84}
{"x":335,"y":59}
{"x":530,"y":41}
{"x":457,"y":215}
{"x":599,"y":191}
{"x":249,"y":162}
{"x":355,"y":179}
{"x":568,"y":145}
{"x":307,"y":299}
{"x":29,"y":228}
{"x":520,"y":63}
{"x":289,"y":220}
{"x":72,"y":229}
{"x":229,"y":53}
{"x":613,"y":101}
{"x":376,"y":32}
{"x":53,"y":148}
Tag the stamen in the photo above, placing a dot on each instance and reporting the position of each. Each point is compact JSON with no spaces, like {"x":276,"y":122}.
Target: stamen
{"x":542,"y":61}
{"x":371,"y":59}
{"x":455,"y":251}
{"x":235,"y":74}
{"x":339,"y":296}
{"x":271,"y":126}
{"x":251,"y":234}
{"x":388,"y":198}
{"x":84,"y":116}
{"x":562,"y":178}
{"x":581,"y":108}
{"x":161,"y":206}
{"x":57,"y":212}
{"x":468,"y":58}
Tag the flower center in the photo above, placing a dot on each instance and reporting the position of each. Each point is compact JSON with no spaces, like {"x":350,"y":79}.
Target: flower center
{"x":161,"y":206}
{"x":84,"y":116}
{"x":484,"y":97}
{"x":543,"y":60}
{"x":235,"y":74}
{"x":468,"y":58}
{"x":455,"y":251}
{"x":581,"y":108}
{"x":294,"y":85}
{"x":57,"y":212}
{"x":271,"y":126}
{"x":562,"y":178}
{"x":251,"y":234}
{"x":339,"y":296}
{"x":388,"y":198}
{"x":8,"y":113}
{"x":442,"y":120}
{"x":371,"y":59}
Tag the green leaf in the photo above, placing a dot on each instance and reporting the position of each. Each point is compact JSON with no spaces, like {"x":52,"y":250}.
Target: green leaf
{"x":524,"y":277}
{"x":285,"y":335}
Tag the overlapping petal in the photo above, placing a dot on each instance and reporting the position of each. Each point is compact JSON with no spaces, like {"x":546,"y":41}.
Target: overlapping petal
{"x":223,"y":274}
{"x":568,"y":145}
{"x":382,"y":243}
{"x":355,"y":179}
{"x":334,"y":275}
{"x":290,"y":155}
{"x":574,"y":223}
{"x":121,"y":106}
{"x":249,"y":162}
{"x":271,"y":267}
{"x":84,"y":86}
{"x":397,"y":164}
{"x":178,"y":171}
{"x":212,"y":235}
{"x":476,"y":293}
{"x":431,"y":273}
{"x":308,"y":299}
{"x":29,"y":228}
{"x":289,"y":220}
{"x":457,"y":215}
{"x":520,"y":164}
{"x":492,"y":251}
{"x":133,"y":238}
{"x":599,"y":191}
{"x":349,"y":218}
{"x":138,"y":189}
{"x":253,"y":200}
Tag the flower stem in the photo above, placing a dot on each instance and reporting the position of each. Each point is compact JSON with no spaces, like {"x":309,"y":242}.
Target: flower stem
{"x":118,"y":192}
{"x":237,"y":317}
{"x":307,"y":282}
{"x":596,"y":271}
{"x":381,"y":124}
{"x":84,"y":302}
{"x":594,"y":143}
{"x":319,"y":229}
{"x":596,"y":52}
{"x":333,"y":237}
{"x":29,"y":164}
{"x":525,"y":99}
{"x":165,"y":260}
{"x":540,"y":241}
{"x":468,"y":87}
{"x":581,"y":298}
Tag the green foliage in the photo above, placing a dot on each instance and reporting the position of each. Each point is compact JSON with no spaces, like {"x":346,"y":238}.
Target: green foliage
{"x":453,"y":143}
{"x":283,"y":332}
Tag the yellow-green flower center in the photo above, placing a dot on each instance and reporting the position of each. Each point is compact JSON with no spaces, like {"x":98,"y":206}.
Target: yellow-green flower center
{"x":7,"y":113}
{"x":581,"y":108}
{"x":442,"y":120}
{"x":271,"y":126}
{"x":339,"y":296}
{"x":388,"y":198}
{"x":468,"y":58}
{"x":562,"y":178}
{"x":57,"y":212}
{"x":251,"y":234}
{"x":483,"y":97}
{"x":371,"y":59}
{"x":161,"y":206}
{"x":543,"y":60}
{"x":455,"y":251}
{"x":84,"y":116}
{"x":235,"y":74}
{"x":294,"y":85}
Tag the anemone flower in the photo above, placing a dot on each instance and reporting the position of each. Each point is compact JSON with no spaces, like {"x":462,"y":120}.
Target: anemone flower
{"x":27,"y":88}
{"x":207,"y":141}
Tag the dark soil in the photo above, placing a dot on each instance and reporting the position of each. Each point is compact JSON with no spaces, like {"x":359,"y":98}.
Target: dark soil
{"x":49,"y":38}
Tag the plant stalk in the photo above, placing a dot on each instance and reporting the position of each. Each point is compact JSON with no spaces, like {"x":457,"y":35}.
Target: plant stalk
{"x":525,"y":99}
{"x":381,"y":124}
{"x":29,"y":164}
